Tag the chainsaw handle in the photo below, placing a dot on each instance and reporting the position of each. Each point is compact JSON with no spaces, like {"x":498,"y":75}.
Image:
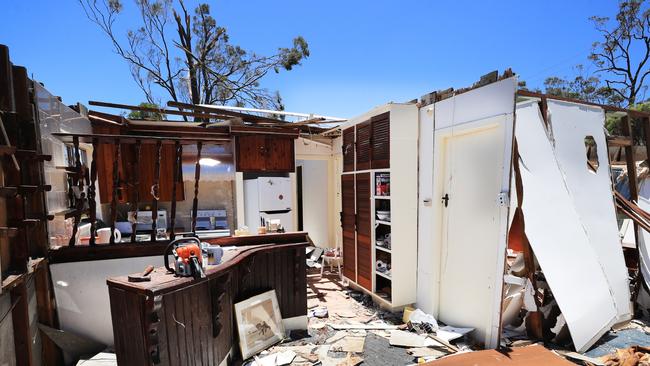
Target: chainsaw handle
{"x":168,"y":252}
{"x":172,"y":245}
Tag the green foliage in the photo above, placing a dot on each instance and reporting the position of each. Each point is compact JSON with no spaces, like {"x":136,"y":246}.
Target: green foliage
{"x":146,"y":115}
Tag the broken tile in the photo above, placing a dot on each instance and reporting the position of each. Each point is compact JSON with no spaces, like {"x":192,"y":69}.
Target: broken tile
{"x":349,"y":344}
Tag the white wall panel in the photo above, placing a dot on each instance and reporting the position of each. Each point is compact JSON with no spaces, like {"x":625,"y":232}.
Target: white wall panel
{"x":427,"y":275}
{"x":488,"y":101}
{"x":591,"y":191}
{"x":81,"y":292}
{"x":556,"y":234}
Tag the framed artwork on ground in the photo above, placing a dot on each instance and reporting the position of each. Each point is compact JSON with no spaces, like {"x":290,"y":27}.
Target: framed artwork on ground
{"x":259,"y":323}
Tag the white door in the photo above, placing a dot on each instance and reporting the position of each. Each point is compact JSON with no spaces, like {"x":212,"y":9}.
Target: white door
{"x":474,"y":174}
{"x":275,"y":193}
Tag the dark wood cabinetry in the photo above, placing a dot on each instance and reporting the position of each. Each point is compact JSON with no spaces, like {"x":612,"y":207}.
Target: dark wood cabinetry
{"x":380,"y":141}
{"x":356,"y":228}
{"x":367,"y":145}
{"x":128,"y":163}
{"x":363,"y":145}
{"x":182,"y":321}
{"x":364,"y":216}
{"x":348,"y":149}
{"x":348,"y":227}
{"x":259,"y":153}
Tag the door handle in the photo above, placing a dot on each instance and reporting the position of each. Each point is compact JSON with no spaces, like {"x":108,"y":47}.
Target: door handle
{"x":445,"y":199}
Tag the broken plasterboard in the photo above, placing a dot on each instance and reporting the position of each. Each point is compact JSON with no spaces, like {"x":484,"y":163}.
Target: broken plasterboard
{"x":574,"y":127}
{"x":644,"y":236}
{"x":570,"y":264}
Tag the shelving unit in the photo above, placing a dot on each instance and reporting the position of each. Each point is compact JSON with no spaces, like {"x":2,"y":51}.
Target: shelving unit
{"x":379,"y":194}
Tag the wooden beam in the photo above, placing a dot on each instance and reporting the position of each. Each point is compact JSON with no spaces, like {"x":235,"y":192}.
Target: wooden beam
{"x":244,"y":116}
{"x":619,"y":141}
{"x":626,"y":129}
{"x":156,"y":110}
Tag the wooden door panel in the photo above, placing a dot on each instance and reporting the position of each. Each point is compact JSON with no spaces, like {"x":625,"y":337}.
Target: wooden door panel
{"x":363,"y":144}
{"x":146,"y":170}
{"x":348,"y":149}
{"x":348,"y":227}
{"x":250,"y":153}
{"x":279,"y":154}
{"x":380,"y":149}
{"x":364,"y":251}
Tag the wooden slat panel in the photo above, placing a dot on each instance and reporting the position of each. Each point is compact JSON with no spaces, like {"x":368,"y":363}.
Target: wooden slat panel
{"x":127,"y":309}
{"x":249,"y":151}
{"x":363,"y":144}
{"x":280,"y":154}
{"x":380,"y":151}
{"x":348,"y":227}
{"x":20,"y":317}
{"x":348,"y":149}
{"x":364,"y":253}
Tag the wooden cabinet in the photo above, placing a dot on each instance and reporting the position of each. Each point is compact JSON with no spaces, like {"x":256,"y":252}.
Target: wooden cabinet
{"x":127,"y":166}
{"x":379,"y":192}
{"x":348,"y":227}
{"x":146,"y":170}
{"x":348,"y":149}
{"x":259,"y":153}
{"x":364,"y":244}
{"x":366,"y":145}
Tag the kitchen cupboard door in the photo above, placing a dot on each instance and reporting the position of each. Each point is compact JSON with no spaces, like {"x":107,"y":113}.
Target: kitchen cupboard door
{"x":364,"y":245}
{"x":250,"y":152}
{"x":145,"y":166}
{"x":280,"y":154}
{"x":380,"y":141}
{"x":363,"y":145}
{"x":348,"y":149}
{"x":348,"y":227}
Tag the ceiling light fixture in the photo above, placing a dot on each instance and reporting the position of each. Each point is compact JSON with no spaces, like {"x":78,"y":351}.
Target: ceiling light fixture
{"x":209,"y":162}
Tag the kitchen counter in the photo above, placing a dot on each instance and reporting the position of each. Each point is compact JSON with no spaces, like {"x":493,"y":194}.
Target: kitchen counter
{"x":182,"y":321}
{"x":143,"y":249}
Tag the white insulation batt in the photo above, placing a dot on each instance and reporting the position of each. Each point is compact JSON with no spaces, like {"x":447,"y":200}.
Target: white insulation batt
{"x":575,"y":270}
{"x":591,"y":191}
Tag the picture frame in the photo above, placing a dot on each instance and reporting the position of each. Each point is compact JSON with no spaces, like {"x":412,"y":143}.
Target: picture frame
{"x":259,"y":323}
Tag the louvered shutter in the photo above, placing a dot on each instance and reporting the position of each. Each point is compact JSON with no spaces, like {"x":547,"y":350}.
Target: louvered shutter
{"x":380,"y":151}
{"x":363,"y":145}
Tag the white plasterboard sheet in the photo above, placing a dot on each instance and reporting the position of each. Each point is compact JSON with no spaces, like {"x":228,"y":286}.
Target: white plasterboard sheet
{"x":644,"y":236}
{"x":591,"y":191}
{"x":557,"y":237}
{"x":487,"y":101}
{"x":82,"y":298}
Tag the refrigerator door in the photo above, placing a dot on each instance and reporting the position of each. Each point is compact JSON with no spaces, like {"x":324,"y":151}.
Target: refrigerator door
{"x":286,"y":219}
{"x":274,"y":194}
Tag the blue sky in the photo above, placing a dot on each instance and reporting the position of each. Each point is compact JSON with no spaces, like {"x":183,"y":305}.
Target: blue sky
{"x":363,"y":53}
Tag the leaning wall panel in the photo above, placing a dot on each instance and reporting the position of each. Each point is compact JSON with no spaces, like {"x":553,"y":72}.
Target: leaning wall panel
{"x":557,"y":236}
{"x":591,"y":191}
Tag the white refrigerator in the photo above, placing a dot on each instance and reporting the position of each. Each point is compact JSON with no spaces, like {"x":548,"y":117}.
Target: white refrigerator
{"x":267,"y":198}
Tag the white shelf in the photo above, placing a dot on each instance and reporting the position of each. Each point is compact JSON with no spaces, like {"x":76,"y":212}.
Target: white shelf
{"x":381,"y":197}
{"x":383,"y":222}
{"x":382,"y":249}
{"x":383,"y":275}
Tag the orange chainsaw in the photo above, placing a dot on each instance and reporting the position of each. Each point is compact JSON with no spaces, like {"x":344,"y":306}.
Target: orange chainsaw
{"x":188,"y":259}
